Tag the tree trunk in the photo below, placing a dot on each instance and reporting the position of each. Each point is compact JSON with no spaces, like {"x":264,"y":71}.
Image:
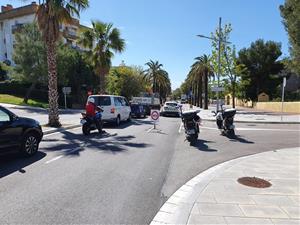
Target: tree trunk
{"x":233,"y":94}
{"x":27,"y":96}
{"x":196,"y":95}
{"x":205,"y":91}
{"x":52,"y":85}
{"x":200,"y":92}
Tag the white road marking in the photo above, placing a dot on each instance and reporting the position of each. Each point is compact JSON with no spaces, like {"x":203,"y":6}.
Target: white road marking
{"x":149,"y":130}
{"x":54,"y":159}
{"x":67,"y":151}
{"x":180,"y":128}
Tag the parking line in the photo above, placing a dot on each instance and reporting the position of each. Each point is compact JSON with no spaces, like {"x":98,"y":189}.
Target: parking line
{"x":54,"y":159}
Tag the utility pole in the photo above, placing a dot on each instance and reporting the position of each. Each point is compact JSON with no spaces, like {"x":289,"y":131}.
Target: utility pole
{"x":219,"y":64}
{"x":220,"y":40}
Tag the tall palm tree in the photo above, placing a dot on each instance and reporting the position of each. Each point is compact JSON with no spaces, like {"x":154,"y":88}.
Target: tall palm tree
{"x":50,"y":14}
{"x":195,"y":77}
{"x":103,"y":40}
{"x":158,"y":77}
{"x":202,"y":69}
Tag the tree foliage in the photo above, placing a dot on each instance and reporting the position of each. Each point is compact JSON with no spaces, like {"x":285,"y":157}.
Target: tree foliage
{"x":159,"y":78}
{"x":261,"y":61}
{"x":103,"y":40}
{"x":29,"y":42}
{"x":126,"y":81}
{"x":290,"y":12}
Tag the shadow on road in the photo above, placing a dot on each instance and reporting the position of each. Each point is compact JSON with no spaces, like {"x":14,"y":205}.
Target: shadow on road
{"x":238,"y":138}
{"x":73,"y":144}
{"x":125,"y":124}
{"x":202,"y":146}
{"x":16,"y":162}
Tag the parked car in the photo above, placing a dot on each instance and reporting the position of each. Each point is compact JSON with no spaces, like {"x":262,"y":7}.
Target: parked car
{"x":115,"y":108}
{"x":138,"y":110}
{"x":18,"y":133}
{"x":170,"y":108}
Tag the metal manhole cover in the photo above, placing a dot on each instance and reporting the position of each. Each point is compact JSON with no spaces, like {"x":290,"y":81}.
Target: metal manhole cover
{"x":254,"y":182}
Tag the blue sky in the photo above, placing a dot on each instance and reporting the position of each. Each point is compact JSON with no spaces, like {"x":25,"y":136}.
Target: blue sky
{"x":166,"y":30}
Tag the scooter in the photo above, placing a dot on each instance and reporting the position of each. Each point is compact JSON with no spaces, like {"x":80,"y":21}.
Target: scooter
{"x":224,"y":120}
{"x":89,"y":124}
{"x":191,"y":123}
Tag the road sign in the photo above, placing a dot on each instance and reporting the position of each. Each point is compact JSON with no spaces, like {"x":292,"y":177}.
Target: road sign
{"x":217,"y":89}
{"x":66,"y":90}
{"x":154,"y":115}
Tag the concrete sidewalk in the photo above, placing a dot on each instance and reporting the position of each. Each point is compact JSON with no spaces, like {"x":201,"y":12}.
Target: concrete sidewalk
{"x":70,"y":118}
{"x":215,"y":196}
{"x":245,"y":115}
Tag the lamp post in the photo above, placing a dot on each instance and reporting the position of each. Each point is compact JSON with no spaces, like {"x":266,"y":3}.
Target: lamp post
{"x":220,"y":40}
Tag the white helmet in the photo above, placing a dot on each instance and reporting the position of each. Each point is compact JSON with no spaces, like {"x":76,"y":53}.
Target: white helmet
{"x":92,"y":100}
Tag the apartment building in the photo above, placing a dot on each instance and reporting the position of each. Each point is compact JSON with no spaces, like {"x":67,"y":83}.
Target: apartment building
{"x":11,"y":21}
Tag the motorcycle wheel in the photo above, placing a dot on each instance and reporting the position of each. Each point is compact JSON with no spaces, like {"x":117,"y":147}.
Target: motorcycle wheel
{"x":86,"y":130}
{"x":231,"y":133}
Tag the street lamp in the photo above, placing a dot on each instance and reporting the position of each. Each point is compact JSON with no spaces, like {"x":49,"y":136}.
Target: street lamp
{"x":219,"y":39}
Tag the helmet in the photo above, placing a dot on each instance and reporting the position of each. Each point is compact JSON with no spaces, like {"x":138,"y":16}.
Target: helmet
{"x":91,"y":100}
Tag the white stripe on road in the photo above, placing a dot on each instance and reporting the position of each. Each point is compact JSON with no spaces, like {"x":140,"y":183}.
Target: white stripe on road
{"x":54,"y":159}
{"x":69,"y":152}
{"x":180,"y":128}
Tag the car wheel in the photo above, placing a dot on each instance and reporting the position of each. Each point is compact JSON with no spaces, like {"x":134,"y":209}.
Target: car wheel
{"x":30,"y":144}
{"x":118,"y":120}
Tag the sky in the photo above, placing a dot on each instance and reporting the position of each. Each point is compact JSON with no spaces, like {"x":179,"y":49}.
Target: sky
{"x":165,"y":30}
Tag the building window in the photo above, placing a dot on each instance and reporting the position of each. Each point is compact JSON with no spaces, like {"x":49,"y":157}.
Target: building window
{"x":5,"y":55}
{"x":4,"y":40}
{"x":1,"y":25}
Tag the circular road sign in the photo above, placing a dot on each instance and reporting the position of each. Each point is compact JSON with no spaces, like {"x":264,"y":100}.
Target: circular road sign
{"x":154,"y":115}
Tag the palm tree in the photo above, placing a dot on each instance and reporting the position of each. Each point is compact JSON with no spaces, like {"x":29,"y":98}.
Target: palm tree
{"x":50,"y":14}
{"x":202,"y":69}
{"x":158,"y":77}
{"x":195,"y":78}
{"x":103,"y":41}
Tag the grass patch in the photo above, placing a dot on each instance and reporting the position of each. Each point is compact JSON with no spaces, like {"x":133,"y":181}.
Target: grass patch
{"x":10,"y":99}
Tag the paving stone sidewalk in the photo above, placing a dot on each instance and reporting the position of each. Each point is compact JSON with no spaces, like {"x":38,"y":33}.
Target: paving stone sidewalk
{"x":215,"y":196}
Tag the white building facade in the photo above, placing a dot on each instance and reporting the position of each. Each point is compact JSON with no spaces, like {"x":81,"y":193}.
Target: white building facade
{"x":12,"y":19}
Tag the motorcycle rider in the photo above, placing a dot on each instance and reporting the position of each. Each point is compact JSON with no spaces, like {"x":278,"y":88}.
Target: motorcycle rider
{"x":91,"y":109}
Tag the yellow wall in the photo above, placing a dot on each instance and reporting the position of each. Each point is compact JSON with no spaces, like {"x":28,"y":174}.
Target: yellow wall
{"x":289,"y":107}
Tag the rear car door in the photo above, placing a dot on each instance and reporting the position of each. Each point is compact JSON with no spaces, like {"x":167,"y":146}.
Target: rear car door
{"x":105,"y":102}
{"x":118,"y":105}
{"x":126,"y":110}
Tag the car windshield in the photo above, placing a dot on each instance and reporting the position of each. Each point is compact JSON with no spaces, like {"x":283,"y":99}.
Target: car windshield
{"x":104,"y":101}
{"x":172,"y":104}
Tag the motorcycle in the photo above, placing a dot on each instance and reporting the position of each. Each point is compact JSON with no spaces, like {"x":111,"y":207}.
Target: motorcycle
{"x":191,"y":123}
{"x":89,"y":123}
{"x":224,"y":120}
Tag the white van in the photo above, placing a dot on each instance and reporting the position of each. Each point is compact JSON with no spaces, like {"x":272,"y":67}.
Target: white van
{"x":115,"y":108}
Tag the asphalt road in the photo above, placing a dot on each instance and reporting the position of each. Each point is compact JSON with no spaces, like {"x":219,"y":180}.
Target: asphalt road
{"x":123,"y":176}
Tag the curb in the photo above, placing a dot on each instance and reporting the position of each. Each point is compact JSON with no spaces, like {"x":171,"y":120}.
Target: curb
{"x":260,"y":122}
{"x":177,"y":209}
{"x":51,"y":131}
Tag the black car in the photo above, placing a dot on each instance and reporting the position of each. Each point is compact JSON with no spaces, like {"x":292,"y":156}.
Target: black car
{"x":18,"y":133}
{"x":138,"y":110}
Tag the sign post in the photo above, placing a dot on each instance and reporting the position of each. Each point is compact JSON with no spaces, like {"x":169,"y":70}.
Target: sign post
{"x":154,"y":117}
{"x":282,"y":97}
{"x":66,"y":91}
